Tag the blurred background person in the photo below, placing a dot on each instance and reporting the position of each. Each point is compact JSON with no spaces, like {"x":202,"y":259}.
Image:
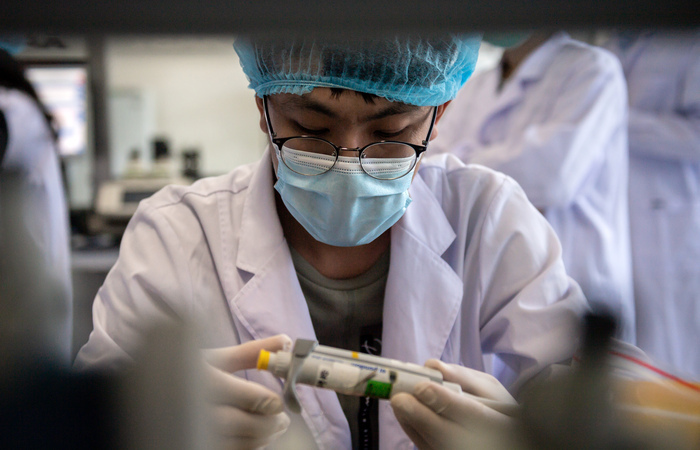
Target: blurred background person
{"x":552,"y":115}
{"x":37,"y":289}
{"x":663,"y":79}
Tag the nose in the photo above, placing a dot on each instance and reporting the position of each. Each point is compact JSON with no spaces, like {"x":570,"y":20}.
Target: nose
{"x":350,"y":140}
{"x":345,"y":151}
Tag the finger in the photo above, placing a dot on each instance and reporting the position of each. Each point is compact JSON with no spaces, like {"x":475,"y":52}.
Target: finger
{"x":414,"y":436}
{"x":227,"y":389}
{"x":458,"y":408}
{"x":472,"y":381}
{"x":424,"y":427}
{"x":236,"y":423}
{"x":245,"y":356}
{"x":403,"y":406}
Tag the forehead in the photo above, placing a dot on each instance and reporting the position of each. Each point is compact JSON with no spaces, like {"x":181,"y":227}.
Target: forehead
{"x":346,"y":106}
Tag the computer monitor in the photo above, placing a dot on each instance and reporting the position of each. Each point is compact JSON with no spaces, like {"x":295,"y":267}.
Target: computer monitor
{"x":63,"y":88}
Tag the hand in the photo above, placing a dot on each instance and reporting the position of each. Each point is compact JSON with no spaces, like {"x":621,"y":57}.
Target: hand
{"x":437,"y":418}
{"x":246,"y":415}
{"x":473,"y":381}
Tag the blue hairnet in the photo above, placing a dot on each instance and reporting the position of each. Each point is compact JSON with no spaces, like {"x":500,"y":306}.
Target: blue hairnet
{"x":415,"y":70}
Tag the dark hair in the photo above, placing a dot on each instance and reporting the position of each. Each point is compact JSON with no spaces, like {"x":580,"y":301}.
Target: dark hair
{"x":12,"y":76}
{"x":368,"y":98}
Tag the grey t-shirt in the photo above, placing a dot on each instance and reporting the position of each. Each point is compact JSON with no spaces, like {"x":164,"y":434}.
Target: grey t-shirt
{"x":348,"y":314}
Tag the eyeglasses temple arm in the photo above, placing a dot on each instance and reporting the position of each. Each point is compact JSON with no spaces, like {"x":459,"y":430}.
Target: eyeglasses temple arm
{"x":430,"y":130}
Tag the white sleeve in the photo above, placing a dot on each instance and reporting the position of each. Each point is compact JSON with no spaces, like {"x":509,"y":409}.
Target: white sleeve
{"x":552,"y":159}
{"x":671,"y":135}
{"x":530,"y":309}
{"x":146,"y":285}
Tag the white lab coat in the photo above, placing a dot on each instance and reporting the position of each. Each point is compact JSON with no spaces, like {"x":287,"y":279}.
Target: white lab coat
{"x":31,"y":155}
{"x":558,"y":127}
{"x":473,"y":269}
{"x":663,"y":77}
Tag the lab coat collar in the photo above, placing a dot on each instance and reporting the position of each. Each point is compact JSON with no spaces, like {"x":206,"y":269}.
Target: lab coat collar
{"x":272,"y":302}
{"x":423,"y":294}
{"x":263,"y":252}
{"x":259,"y":219}
{"x":538,"y":62}
{"x":425,"y":219}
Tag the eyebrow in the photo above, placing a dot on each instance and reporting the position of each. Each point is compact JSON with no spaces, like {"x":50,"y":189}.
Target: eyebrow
{"x":298,"y":101}
{"x":393,"y":110}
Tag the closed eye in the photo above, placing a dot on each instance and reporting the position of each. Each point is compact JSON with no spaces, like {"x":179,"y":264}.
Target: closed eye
{"x":386,"y":135}
{"x":310,"y":131}
{"x":406,"y":133}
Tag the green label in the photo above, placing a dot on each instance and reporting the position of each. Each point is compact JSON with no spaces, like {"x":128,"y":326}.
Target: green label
{"x":378,"y":389}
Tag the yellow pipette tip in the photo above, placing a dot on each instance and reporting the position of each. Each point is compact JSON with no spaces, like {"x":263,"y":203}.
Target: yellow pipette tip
{"x":263,"y":359}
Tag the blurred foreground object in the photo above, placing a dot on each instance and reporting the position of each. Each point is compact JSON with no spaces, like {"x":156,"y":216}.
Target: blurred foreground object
{"x":163,"y":396}
{"x":612,"y":399}
{"x":334,"y":16}
{"x":652,"y":399}
{"x":158,"y":403}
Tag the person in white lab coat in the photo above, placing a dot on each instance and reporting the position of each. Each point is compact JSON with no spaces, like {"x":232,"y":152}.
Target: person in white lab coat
{"x":663,"y":79}
{"x":436,"y":260}
{"x":29,"y":165}
{"x":553,"y":116}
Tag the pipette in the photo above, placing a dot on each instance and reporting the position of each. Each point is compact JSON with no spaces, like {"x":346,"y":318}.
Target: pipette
{"x":353,"y":373}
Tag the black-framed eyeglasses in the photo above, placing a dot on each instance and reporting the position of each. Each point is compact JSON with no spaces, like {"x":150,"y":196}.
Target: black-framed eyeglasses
{"x":311,"y":156}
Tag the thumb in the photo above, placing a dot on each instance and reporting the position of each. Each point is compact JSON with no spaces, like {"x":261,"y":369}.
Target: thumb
{"x":245,"y":356}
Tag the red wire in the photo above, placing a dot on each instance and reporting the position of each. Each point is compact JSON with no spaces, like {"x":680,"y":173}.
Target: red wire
{"x":657,"y":370}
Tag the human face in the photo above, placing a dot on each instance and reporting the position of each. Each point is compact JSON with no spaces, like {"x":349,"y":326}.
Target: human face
{"x":347,"y":120}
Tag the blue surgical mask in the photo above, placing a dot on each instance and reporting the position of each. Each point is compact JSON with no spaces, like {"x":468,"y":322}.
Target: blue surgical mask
{"x":343,"y":207}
